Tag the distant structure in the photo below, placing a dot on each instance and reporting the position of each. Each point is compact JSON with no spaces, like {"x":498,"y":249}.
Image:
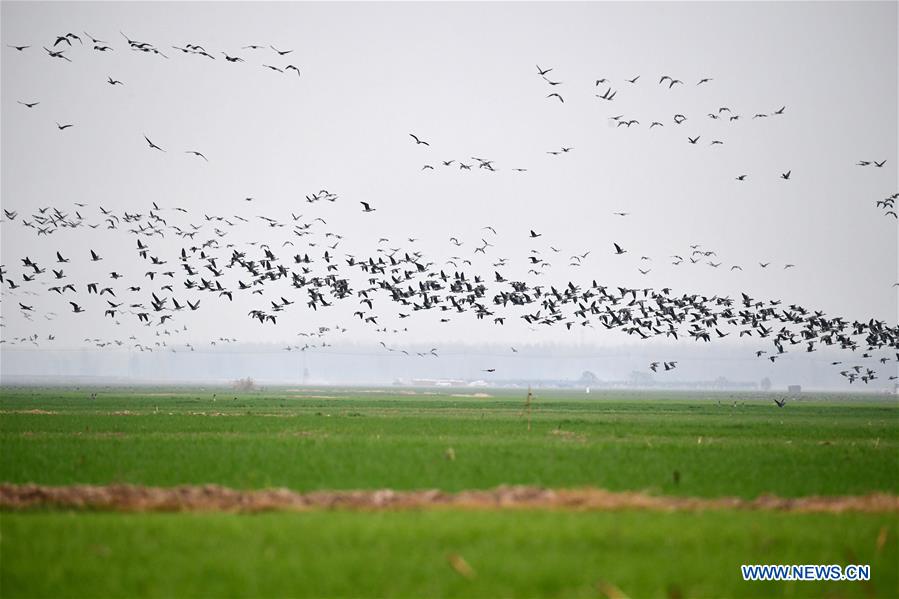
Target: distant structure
{"x":794,"y":389}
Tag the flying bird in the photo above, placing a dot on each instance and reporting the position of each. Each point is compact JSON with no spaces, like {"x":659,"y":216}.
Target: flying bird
{"x":152,"y":145}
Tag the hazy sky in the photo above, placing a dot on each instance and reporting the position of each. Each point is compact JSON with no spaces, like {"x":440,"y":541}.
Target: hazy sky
{"x":463,"y":77}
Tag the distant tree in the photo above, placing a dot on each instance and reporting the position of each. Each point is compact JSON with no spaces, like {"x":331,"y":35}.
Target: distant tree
{"x":588,"y":378}
{"x":244,"y":384}
{"x":765,"y":384}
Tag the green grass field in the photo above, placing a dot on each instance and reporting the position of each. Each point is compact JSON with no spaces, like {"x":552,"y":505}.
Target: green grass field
{"x":307,"y":439}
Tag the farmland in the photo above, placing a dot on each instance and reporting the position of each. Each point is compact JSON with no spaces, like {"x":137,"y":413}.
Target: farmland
{"x":303,"y":439}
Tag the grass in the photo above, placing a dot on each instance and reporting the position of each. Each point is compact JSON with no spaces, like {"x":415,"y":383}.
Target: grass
{"x":404,"y":554}
{"x":352,"y":439}
{"x":358,"y":440}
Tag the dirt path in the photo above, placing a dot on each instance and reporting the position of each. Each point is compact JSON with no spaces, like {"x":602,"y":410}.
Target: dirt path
{"x":131,"y":498}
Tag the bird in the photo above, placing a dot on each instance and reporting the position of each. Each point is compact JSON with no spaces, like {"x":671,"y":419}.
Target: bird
{"x":112,"y":81}
{"x":704,"y":80}
{"x":95,"y":257}
{"x":291,"y":67}
{"x":58,"y":53}
{"x":28,"y":104}
{"x":534,"y":234}
{"x":618,"y":249}
{"x":634,"y":80}
{"x":93,"y":39}
{"x":19,"y":48}
{"x":366,"y":207}
{"x":786,"y":176}
{"x":63,"y":127}
{"x":555,"y":95}
{"x":281,"y":52}
{"x":542,"y":72}
{"x":780,"y":402}
{"x":741,"y":178}
{"x":195,"y":153}
{"x":693,"y":140}
{"x":418,"y":141}
{"x":152,"y":145}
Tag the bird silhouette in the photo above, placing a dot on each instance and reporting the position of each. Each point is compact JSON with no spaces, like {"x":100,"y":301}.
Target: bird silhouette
{"x":152,"y":145}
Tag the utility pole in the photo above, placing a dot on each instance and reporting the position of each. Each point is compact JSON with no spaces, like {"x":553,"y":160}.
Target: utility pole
{"x":528,"y":407}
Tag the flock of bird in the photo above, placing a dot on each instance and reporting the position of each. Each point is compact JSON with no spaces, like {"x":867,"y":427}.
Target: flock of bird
{"x":722,"y":114}
{"x":218,"y":260}
{"x":63,"y":44}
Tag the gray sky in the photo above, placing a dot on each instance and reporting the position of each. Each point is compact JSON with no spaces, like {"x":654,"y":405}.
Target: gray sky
{"x":463,"y":77}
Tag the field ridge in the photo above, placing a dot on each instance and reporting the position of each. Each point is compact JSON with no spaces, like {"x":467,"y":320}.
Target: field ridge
{"x":139,"y":498}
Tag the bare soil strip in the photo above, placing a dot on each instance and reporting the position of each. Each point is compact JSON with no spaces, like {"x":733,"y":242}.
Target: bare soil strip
{"x":132,"y":498}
